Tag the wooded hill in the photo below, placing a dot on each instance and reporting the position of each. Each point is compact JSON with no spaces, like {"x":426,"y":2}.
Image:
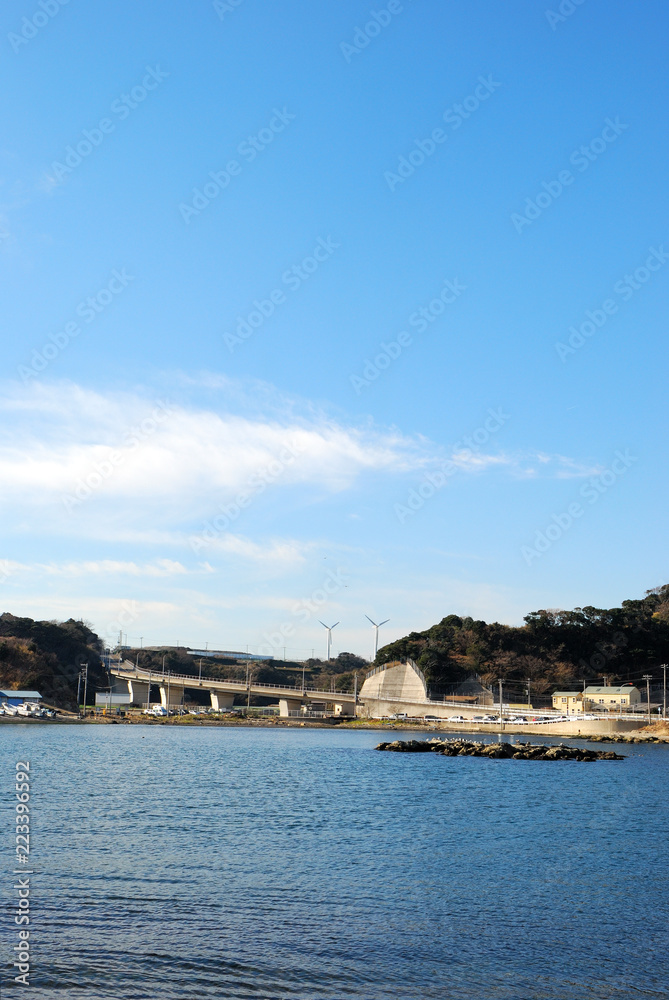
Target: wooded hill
{"x":47,"y":657}
{"x":553,"y":649}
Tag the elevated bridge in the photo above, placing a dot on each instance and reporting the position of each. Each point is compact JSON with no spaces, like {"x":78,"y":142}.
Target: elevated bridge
{"x":222,"y":692}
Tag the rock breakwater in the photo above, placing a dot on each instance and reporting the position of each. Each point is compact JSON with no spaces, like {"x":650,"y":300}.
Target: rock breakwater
{"x":516,"y":751}
{"x":626,"y":738}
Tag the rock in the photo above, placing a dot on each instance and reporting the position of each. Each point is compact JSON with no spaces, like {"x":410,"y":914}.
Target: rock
{"x":519,"y":751}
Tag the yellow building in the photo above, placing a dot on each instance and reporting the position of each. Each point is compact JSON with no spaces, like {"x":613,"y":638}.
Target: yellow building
{"x":611,"y":699}
{"x":568,"y":702}
{"x":597,"y":699}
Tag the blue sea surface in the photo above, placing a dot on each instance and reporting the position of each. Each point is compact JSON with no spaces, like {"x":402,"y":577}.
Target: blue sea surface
{"x":284,"y":864}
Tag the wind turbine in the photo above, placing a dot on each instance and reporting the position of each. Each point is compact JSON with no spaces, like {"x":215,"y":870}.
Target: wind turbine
{"x":329,"y":631}
{"x":376,"y":633}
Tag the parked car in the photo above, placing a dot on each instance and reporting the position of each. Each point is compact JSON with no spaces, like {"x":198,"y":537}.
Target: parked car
{"x":432,"y":718}
{"x":456,"y":718}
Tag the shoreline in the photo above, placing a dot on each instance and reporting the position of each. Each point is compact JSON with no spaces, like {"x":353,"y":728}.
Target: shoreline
{"x":641,"y":735}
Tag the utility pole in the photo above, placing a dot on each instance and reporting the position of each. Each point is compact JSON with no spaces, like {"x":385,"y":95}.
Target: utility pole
{"x":355,"y":687}
{"x":501,"y":712}
{"x":79,"y":692}
{"x":169,"y":672}
{"x":647,"y":678}
{"x":200,"y":673}
{"x":85,"y":687}
{"x":664,"y":692}
{"x":529,"y":685}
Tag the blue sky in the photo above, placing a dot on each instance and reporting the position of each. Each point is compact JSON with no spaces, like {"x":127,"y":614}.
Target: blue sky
{"x":259,"y":200}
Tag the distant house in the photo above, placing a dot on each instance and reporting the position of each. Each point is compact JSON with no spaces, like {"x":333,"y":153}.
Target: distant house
{"x":19,"y":697}
{"x":611,"y":698}
{"x":597,"y":699}
{"x":472,"y":690}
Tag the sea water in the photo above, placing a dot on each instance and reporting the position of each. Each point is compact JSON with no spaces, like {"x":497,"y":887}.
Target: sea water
{"x":175,"y":863}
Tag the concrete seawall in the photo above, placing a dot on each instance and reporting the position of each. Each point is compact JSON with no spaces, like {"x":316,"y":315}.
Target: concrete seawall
{"x":582,"y":727}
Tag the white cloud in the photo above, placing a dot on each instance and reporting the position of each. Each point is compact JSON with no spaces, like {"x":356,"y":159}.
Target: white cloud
{"x":285,"y":553}
{"x":66,"y":444}
{"x":114,"y":567}
{"x":123,"y":468}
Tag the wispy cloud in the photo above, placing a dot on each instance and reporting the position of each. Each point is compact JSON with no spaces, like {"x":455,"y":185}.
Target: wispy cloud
{"x":60,"y":437}
{"x":128,"y":468}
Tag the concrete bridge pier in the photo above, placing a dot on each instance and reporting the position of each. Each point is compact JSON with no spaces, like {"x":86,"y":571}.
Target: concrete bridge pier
{"x":176,"y":695}
{"x":287,"y":705}
{"x":220,"y":701}
{"x":138,"y":691}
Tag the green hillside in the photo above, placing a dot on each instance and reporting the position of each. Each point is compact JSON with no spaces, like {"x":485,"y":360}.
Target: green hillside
{"x":553,"y":647}
{"x":47,"y":657}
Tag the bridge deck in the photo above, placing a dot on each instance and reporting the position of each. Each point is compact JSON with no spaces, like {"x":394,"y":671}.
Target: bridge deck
{"x":232,"y":686}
